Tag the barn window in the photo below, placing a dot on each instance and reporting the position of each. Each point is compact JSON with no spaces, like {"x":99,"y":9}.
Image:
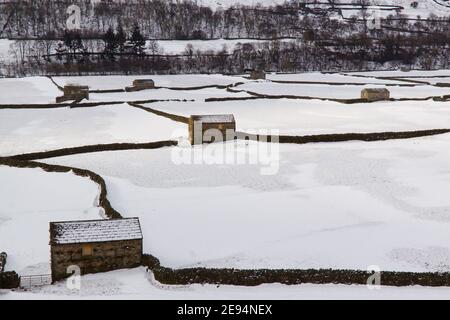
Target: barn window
{"x":87,"y":250}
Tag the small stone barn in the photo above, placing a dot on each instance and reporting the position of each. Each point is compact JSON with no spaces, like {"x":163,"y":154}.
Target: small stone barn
{"x":95,"y":246}
{"x":258,"y":75}
{"x":141,"y":84}
{"x":74,"y":92}
{"x":207,"y":128}
{"x":377,"y":94}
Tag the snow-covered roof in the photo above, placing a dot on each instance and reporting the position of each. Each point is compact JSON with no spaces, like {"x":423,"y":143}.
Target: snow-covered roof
{"x":74,"y":232}
{"x":223,"y":118}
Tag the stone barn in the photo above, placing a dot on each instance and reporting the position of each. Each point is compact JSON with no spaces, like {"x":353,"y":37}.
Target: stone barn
{"x":258,"y":75}
{"x":74,"y":92}
{"x":211,"y":128}
{"x":141,"y":84}
{"x":375,"y":94}
{"x":95,"y":246}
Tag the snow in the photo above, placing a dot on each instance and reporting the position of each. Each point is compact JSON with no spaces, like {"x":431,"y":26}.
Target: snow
{"x":27,"y":91}
{"x":135,"y":284}
{"x":25,"y":131}
{"x":179,"y":46}
{"x":338,"y":92}
{"x":432,"y":81}
{"x":345,"y":206}
{"x":327,"y":77}
{"x":95,"y":231}
{"x":24,"y":225}
{"x":251,"y":205}
{"x":305,"y":117}
{"x":424,"y":9}
{"x":120,"y":82}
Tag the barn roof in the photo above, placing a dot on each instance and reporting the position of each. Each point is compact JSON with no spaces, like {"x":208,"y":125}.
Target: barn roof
{"x":74,"y":232}
{"x":375,"y":90}
{"x":221,"y":118}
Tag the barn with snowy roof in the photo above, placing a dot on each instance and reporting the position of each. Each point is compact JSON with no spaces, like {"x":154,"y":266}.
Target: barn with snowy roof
{"x":95,"y":246}
{"x":211,"y":128}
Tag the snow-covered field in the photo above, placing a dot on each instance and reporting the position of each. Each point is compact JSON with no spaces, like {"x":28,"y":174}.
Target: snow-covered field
{"x":424,"y":8}
{"x":24,"y":131}
{"x":305,"y":117}
{"x":338,"y":92}
{"x":378,"y":203}
{"x":137,"y":285}
{"x":29,"y":200}
{"x":342,"y":205}
{"x":335,"y":78}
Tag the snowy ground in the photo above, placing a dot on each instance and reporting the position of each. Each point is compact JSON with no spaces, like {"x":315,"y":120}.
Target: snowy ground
{"x":29,"y":200}
{"x":24,"y":131}
{"x":328,"y":78}
{"x":4,"y":50}
{"x":136,"y":284}
{"x":380,"y":203}
{"x":305,"y":117}
{"x":120,"y":82}
{"x":28,"y":90}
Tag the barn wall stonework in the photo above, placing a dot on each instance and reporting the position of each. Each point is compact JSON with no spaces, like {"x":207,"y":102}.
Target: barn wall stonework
{"x":106,"y":256}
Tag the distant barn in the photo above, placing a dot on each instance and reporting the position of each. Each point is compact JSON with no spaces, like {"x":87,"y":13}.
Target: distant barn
{"x":211,"y":128}
{"x":141,"y":84}
{"x":377,"y":94}
{"x":95,"y":246}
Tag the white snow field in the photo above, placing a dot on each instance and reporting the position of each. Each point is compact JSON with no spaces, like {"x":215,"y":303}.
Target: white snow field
{"x":179,"y":81}
{"x":345,"y":206}
{"x":25,"y":131}
{"x":27,"y":90}
{"x":137,"y":285}
{"x":29,"y":200}
{"x":306,"y":117}
{"x":4,"y":50}
{"x":338,"y":92}
{"x":164,"y":94}
{"x":398,"y":73}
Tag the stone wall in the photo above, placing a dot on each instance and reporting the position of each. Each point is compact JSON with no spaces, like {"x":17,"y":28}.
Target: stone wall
{"x":106,"y":256}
